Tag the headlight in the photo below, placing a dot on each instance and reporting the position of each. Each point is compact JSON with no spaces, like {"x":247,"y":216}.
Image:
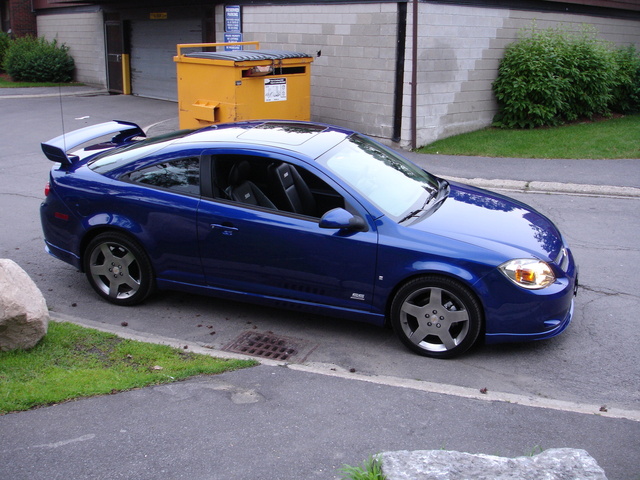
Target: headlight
{"x":528,"y":273}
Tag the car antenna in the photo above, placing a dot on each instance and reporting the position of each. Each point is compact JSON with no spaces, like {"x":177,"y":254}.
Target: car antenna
{"x":64,"y":138}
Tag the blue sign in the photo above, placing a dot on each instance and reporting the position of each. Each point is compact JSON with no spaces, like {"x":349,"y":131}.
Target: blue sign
{"x":232,"y":38}
{"x":232,"y":18}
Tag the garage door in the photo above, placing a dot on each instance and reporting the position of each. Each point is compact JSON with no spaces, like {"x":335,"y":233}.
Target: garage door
{"x":153,"y":46}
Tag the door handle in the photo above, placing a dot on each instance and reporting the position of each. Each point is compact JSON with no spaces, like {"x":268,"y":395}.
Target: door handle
{"x":226,"y":229}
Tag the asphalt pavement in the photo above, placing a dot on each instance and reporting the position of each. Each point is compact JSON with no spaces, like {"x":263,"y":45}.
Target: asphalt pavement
{"x":305,"y":421}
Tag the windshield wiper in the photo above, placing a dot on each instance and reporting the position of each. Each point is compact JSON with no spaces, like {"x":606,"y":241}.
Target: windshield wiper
{"x":415,"y":213}
{"x":432,"y":193}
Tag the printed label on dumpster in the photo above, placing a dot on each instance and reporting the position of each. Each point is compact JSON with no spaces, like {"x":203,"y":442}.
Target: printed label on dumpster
{"x":275,"y":89}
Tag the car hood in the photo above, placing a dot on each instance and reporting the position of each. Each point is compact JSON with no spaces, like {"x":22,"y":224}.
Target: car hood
{"x":493,"y":221}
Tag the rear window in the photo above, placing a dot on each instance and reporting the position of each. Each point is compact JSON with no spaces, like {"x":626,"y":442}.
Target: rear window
{"x":119,"y":156}
{"x":180,"y":175}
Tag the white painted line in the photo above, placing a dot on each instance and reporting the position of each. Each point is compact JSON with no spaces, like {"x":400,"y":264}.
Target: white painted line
{"x":149,"y":127}
{"x":62,"y":443}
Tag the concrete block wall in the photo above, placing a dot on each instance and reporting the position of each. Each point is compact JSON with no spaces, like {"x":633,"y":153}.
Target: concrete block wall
{"x":83,"y":33}
{"x":460,"y":48}
{"x":352,"y":82}
{"x":458,"y":55}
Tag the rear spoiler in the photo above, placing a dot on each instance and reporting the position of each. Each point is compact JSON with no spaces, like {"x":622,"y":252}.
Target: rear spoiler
{"x":56,"y":148}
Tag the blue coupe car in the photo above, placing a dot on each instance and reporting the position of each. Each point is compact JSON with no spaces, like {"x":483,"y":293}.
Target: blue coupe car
{"x":306,"y":216}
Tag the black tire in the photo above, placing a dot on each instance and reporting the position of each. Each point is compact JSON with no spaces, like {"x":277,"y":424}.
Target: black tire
{"x":436,"y":316}
{"x":118,"y":269}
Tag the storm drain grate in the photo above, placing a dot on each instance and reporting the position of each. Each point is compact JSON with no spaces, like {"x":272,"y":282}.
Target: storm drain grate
{"x":267,"y":345}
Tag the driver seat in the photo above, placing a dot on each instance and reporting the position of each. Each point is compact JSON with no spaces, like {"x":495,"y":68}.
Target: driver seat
{"x":290,"y":191}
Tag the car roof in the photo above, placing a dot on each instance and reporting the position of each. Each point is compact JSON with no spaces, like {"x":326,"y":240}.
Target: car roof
{"x":307,"y":138}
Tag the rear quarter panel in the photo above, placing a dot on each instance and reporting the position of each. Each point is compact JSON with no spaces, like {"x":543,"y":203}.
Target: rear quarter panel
{"x":163,"y":222}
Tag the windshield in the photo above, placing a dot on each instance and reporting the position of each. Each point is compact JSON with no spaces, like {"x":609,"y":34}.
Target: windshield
{"x":115,"y":157}
{"x":391,"y":183}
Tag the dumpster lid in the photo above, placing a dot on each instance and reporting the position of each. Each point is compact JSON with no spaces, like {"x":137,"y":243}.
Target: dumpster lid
{"x":248,"y":55}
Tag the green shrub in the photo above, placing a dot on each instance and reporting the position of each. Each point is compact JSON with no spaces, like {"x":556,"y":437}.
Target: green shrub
{"x":589,"y":66}
{"x":529,"y":89}
{"x":32,"y":59}
{"x":4,"y":45}
{"x":626,"y":91}
{"x":552,"y":76}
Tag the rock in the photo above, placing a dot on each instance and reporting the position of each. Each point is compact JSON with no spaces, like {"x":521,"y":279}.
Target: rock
{"x":553,"y":464}
{"x":24,"y":316}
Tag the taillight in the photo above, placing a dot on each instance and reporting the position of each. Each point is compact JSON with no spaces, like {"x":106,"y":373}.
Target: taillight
{"x":47,"y":189}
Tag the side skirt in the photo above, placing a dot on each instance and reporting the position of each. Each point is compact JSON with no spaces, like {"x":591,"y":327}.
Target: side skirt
{"x":279,"y":302}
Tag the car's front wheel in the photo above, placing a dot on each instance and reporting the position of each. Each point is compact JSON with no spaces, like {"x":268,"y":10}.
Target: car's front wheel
{"x":436,"y":316}
{"x":118,"y":269}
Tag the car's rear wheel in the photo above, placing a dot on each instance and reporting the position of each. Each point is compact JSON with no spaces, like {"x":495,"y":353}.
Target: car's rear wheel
{"x":118,"y":269}
{"x":436,"y":316}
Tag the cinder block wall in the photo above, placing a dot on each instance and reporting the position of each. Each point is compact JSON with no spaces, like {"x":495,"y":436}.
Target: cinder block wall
{"x":460,"y":48}
{"x":352,"y":81}
{"x":83,"y":33}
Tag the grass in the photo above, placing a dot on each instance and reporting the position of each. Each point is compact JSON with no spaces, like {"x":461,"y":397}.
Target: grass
{"x":371,"y":469}
{"x":6,"y":82}
{"x":604,"y":139}
{"x":73,"y":361}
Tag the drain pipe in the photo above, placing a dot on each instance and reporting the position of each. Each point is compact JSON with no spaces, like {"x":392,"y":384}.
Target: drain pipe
{"x":414,"y":78}
{"x":401,"y":47}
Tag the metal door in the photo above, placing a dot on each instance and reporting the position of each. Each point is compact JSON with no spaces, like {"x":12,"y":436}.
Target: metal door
{"x":115,"y":51}
{"x":153,"y":46}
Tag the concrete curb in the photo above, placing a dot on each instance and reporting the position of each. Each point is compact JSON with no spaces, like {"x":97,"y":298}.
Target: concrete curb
{"x":43,"y":92}
{"x":550,"y":187}
{"x":331,"y":370}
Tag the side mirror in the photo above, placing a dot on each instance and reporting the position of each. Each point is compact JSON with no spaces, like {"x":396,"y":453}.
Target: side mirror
{"x":340,"y":219}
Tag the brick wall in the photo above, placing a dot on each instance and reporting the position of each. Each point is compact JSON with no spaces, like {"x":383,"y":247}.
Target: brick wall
{"x":23,"y":20}
{"x":83,"y":33}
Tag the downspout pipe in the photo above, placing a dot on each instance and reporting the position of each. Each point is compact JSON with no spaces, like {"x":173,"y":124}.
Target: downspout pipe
{"x":414,"y":78}
{"x":401,"y":46}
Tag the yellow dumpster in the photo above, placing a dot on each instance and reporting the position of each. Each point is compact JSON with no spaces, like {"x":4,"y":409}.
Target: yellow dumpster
{"x":229,"y":86}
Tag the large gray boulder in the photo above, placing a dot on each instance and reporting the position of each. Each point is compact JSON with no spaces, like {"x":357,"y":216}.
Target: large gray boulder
{"x":24,"y":317}
{"x":553,"y":464}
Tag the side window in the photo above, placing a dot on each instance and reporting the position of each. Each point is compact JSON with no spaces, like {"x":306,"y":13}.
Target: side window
{"x":274,"y":184}
{"x":182,"y":175}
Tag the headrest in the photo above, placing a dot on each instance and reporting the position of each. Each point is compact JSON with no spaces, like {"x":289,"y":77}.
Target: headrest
{"x":239,"y":173}
{"x":285,"y":174}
